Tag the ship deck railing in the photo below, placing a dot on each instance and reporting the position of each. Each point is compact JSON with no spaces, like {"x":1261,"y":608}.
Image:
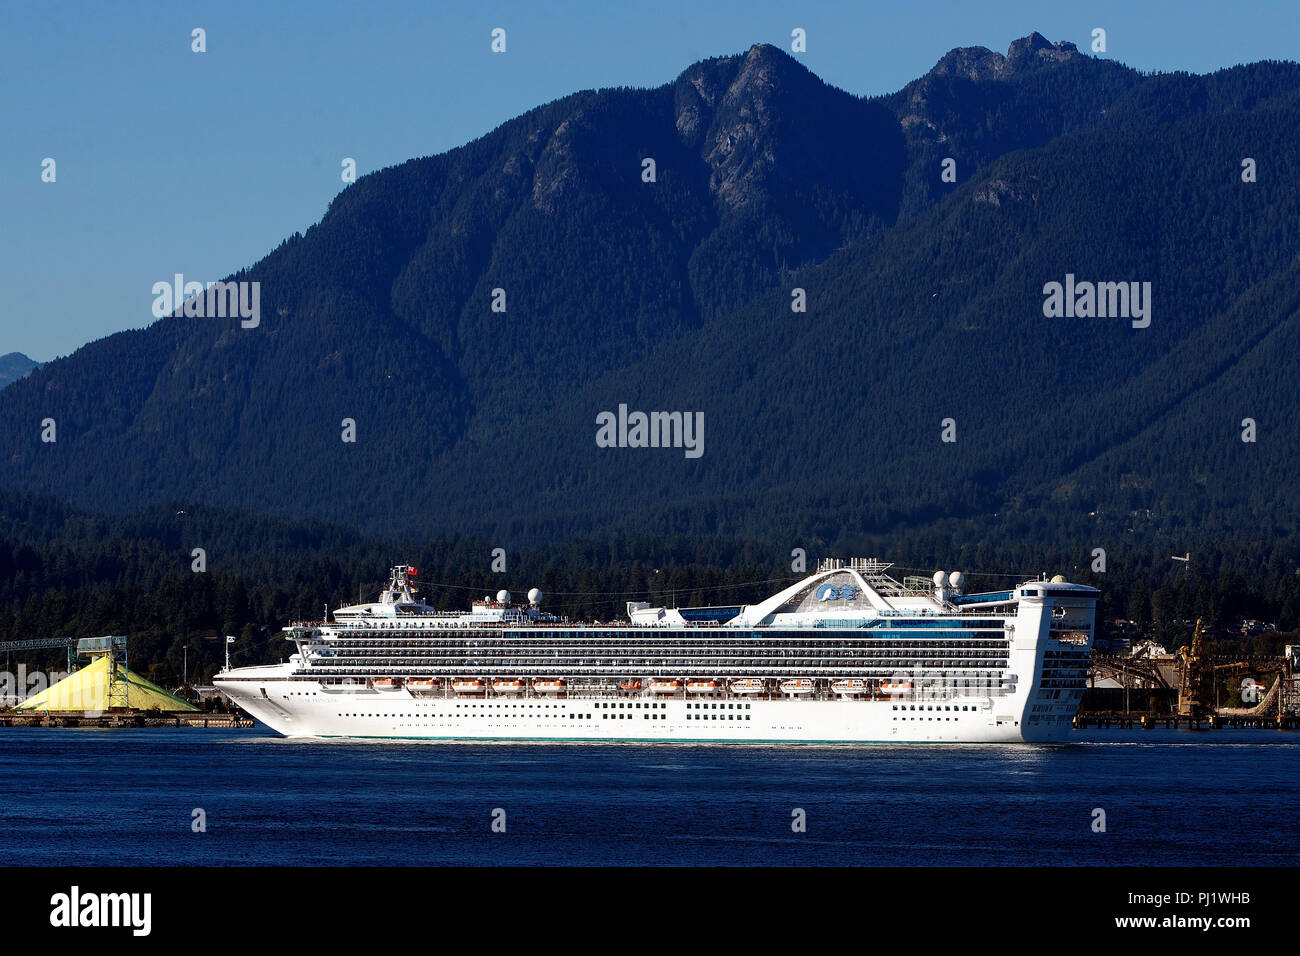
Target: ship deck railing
{"x":492,"y":626}
{"x":982,"y":677}
{"x":928,"y":695}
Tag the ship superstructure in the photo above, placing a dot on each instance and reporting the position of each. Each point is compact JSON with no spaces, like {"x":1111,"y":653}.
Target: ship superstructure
{"x":848,"y":654}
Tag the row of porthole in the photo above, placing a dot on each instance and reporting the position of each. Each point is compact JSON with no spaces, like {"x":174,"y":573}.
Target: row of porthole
{"x":646,"y":716}
{"x":433,"y":716}
{"x":932,"y":707}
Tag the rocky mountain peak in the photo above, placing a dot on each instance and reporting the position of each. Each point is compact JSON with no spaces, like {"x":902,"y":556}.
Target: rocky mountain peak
{"x":745,"y":81}
{"x":736,"y":111}
{"x":1036,"y":49}
{"x":980,"y":63}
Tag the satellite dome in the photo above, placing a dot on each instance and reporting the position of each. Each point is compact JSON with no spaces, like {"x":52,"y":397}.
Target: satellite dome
{"x":503,"y":596}
{"x":939,"y":578}
{"x":534,"y":596}
{"x":956,"y":579}
{"x":1058,"y":579}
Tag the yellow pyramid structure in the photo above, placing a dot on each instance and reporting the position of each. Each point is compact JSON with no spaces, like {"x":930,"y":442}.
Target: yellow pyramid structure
{"x":87,"y":690}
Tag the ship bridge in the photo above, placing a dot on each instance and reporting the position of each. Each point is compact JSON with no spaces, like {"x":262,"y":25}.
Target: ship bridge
{"x":397,"y":598}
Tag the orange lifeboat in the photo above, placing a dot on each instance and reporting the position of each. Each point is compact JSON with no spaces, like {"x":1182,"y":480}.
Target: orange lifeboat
{"x":797,"y":686}
{"x":630,"y":685}
{"x":422,"y":686}
{"x":549,"y":686}
{"x":665,"y":686}
{"x":467,"y":685}
{"x":747,"y":685}
{"x":509,"y":687}
{"x":896,"y":687}
{"x":703,"y":687}
{"x":388,"y":683}
{"x":849,"y":687}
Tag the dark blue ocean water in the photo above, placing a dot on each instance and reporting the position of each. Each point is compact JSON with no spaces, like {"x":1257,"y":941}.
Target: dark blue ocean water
{"x":99,"y":797}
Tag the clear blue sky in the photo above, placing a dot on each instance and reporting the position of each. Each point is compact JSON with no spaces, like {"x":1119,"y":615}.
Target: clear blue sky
{"x":171,"y":161}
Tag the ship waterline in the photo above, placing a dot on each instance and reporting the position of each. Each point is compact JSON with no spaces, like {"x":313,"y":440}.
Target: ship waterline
{"x":849,"y":654}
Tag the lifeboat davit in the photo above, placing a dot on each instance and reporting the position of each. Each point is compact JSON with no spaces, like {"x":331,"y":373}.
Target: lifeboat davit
{"x":469,"y":686}
{"x":896,"y":687}
{"x":797,"y":686}
{"x":665,"y":686}
{"x":508,"y":687}
{"x":747,"y":685}
{"x":630,"y":685}
{"x":388,"y":683}
{"x":549,"y":686}
{"x":703,"y":687}
{"x":849,"y":687}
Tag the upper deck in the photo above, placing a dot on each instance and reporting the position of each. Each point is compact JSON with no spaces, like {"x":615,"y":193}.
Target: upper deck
{"x":840,"y":595}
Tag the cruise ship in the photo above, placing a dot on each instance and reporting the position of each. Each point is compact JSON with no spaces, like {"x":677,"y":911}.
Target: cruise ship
{"x":848,"y":654}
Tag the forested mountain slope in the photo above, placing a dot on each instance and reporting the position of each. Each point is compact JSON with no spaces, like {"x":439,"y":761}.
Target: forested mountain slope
{"x":924,"y":303}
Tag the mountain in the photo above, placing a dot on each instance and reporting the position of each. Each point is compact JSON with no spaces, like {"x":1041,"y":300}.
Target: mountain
{"x":925,"y":302}
{"x":14,"y":366}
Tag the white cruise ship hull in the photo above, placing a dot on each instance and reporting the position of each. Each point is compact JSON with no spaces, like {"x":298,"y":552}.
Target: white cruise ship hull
{"x":305,"y":709}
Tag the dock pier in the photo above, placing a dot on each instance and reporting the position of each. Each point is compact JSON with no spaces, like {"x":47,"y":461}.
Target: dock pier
{"x":1107,"y":720}
{"x":118,"y":719}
